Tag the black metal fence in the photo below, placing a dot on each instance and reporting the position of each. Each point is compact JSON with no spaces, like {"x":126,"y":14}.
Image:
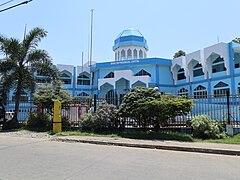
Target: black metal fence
{"x":222,"y":108}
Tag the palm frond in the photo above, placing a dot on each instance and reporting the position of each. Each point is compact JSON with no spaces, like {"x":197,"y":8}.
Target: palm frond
{"x":28,"y":82}
{"x":37,"y":55}
{"x":46,"y":68}
{"x":33,"y":38}
{"x":6,"y":65}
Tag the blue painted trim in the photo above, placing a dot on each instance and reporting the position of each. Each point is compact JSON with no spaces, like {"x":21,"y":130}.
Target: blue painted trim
{"x":209,"y":88}
{"x":107,"y":83}
{"x":82,"y":89}
{"x":74,"y":81}
{"x":130,"y":43}
{"x":190,"y":88}
{"x":166,"y":85}
{"x":205,"y":80}
{"x":232,"y":66}
{"x":131,"y":63}
{"x":236,"y":74}
{"x":157,"y":74}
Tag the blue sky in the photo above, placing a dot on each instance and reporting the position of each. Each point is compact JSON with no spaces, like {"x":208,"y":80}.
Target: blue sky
{"x":168,"y":25}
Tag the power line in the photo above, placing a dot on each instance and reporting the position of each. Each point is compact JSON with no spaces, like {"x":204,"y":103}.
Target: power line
{"x":19,"y":4}
{"x":6,"y":3}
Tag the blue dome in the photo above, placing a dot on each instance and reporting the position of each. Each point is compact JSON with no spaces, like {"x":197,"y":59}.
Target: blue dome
{"x":130,"y":37}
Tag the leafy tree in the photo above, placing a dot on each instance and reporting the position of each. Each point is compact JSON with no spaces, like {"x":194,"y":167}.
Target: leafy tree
{"x":179,"y":54}
{"x":167,"y":107}
{"x":236,"y":40}
{"x":133,"y":103}
{"x":20,"y":60}
{"x":45,"y":96}
{"x":148,"y":104}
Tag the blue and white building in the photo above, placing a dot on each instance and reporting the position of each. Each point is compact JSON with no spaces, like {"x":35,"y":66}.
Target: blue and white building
{"x":212,"y":70}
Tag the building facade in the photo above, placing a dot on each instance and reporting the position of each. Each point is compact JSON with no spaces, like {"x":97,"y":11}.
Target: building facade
{"x":212,"y":70}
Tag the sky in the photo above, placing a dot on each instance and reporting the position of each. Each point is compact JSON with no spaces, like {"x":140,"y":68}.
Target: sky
{"x":167,"y":25}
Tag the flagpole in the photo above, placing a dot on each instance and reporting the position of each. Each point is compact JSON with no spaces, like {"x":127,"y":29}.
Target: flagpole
{"x":91,"y":37}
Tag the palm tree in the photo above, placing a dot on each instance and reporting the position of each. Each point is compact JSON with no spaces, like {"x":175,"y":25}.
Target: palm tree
{"x":20,"y":61}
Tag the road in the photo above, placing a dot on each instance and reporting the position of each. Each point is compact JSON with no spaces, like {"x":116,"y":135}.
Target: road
{"x":34,"y":158}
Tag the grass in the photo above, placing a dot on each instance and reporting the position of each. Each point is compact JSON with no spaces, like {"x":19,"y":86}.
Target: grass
{"x":149,"y":135}
{"x":79,"y":133}
{"x":227,"y":140}
{"x":157,"y":136}
{"x":154,"y":136}
{"x":134,"y":135}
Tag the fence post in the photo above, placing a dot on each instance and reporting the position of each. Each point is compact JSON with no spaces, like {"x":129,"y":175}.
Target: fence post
{"x":57,"y":118}
{"x":95,"y":102}
{"x":228,"y":107}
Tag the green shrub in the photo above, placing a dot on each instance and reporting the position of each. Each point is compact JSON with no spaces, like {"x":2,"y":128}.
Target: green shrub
{"x":66,"y":125}
{"x":204,"y":127}
{"x":87,"y":123}
{"x":38,"y":121}
{"x":105,"y":117}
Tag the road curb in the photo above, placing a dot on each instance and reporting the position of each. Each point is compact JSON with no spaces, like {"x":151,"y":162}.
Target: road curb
{"x":150,"y":146}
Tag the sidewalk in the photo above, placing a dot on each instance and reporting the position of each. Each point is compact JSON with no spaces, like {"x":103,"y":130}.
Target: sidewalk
{"x":213,"y":148}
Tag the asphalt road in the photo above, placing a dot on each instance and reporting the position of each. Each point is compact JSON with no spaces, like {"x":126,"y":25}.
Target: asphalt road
{"x":29,"y":158}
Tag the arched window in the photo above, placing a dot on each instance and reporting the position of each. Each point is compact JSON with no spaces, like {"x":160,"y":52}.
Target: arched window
{"x":183,"y":92}
{"x":197,"y":70}
{"x":123,"y":55}
{"x":83,"y":79}
{"x":200,"y":92}
{"x":221,"y":89}
{"x":115,"y":56}
{"x":238,"y":88}
{"x":83,"y":94}
{"x":66,"y":77}
{"x":129,"y":54}
{"x":237,"y":59}
{"x":112,"y":97}
{"x":218,"y":65}
{"x":180,"y":74}
{"x":143,"y":73}
{"x":23,"y":97}
{"x":109,"y":75}
{"x":140,"y":54}
{"x":134,"y":54}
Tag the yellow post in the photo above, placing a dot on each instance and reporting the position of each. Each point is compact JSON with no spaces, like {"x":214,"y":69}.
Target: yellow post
{"x":57,"y":118}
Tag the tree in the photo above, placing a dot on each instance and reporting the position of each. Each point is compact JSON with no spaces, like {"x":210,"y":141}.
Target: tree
{"x":45,"y":96}
{"x":147,"y":104}
{"x":133,"y":103}
{"x":20,"y":60}
{"x":179,"y":54}
{"x":236,"y":40}
{"x":167,"y":107}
